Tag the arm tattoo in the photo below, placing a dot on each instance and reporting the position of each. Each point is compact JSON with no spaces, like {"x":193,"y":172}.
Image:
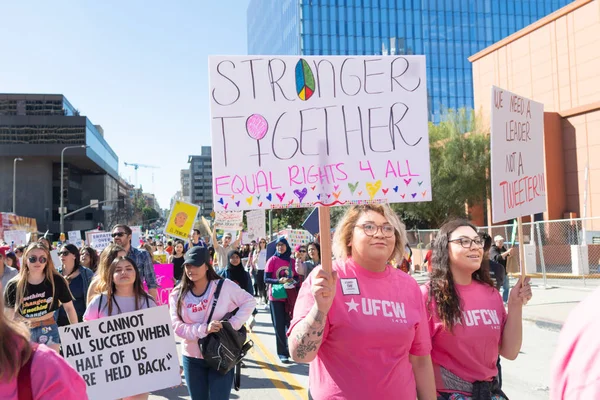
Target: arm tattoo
{"x":310,"y":335}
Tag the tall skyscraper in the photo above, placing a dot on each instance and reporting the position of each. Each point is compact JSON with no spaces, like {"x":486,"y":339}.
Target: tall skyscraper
{"x":200,"y":180}
{"x":446,"y":31}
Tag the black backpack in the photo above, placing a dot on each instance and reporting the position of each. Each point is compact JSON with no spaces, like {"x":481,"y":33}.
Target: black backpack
{"x":224,"y":350}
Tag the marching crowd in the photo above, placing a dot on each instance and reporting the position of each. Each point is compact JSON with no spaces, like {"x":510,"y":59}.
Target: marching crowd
{"x":368,"y":330}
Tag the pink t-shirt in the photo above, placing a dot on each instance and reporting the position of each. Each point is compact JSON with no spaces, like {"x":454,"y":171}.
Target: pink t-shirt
{"x":576,"y":363}
{"x":52,"y":378}
{"x":375,"y":322}
{"x":471,"y":350}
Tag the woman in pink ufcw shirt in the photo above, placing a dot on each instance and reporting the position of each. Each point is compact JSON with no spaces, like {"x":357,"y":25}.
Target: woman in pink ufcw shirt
{"x":32,"y":371}
{"x":468,"y":323}
{"x":363,"y":327}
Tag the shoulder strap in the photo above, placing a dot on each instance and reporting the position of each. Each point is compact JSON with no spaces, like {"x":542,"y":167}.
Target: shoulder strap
{"x":215,"y":299}
{"x":24,"y":377}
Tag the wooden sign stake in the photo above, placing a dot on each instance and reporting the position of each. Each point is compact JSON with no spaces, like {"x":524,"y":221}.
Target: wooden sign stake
{"x":521,"y":248}
{"x":325,"y":238}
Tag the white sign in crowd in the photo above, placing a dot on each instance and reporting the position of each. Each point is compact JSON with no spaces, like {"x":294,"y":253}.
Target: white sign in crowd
{"x":318,"y":131}
{"x":255,"y":220}
{"x":517,"y":147}
{"x":124,"y":355}
{"x":229,"y":221}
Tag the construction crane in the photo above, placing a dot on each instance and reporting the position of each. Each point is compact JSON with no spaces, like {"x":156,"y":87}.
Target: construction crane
{"x":136,"y":166}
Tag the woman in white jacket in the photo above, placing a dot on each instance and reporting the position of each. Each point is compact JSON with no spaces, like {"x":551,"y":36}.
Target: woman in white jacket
{"x":190,"y":304}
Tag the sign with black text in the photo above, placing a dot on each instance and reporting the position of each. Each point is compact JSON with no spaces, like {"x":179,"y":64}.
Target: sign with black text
{"x":124,"y":355}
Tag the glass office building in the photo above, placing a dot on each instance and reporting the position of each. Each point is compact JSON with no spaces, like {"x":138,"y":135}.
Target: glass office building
{"x":446,"y":31}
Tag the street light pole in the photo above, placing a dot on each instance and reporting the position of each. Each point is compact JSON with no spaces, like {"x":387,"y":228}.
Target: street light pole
{"x":62,"y":181}
{"x":15,"y":184}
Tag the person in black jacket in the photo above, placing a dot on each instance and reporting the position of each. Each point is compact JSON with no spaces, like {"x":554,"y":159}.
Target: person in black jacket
{"x":500,"y":254}
{"x":497,"y":271}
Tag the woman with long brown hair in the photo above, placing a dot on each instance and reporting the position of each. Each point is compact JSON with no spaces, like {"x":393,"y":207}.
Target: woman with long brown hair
{"x":468,"y":324}
{"x":21,"y":360}
{"x":89,"y":258}
{"x":100,"y":281}
{"x":36,"y":293}
{"x":190,"y":306}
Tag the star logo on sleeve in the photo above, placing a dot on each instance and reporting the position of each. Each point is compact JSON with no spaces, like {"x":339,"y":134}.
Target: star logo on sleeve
{"x":352,"y":306}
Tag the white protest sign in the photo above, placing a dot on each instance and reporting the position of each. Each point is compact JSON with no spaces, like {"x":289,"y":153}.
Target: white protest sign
{"x":517,"y":146}
{"x":74,"y":236}
{"x":124,"y":355}
{"x":136,"y":234}
{"x":255,"y":220}
{"x":229,"y":220}
{"x":298,"y":236}
{"x":100,"y":240}
{"x":18,"y":237}
{"x":55,"y":258}
{"x":291,"y":131}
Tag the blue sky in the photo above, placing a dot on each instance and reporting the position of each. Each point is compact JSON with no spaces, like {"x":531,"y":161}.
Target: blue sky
{"x":138,"y":68}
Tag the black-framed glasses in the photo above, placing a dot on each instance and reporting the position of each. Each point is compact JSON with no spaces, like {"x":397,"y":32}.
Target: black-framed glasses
{"x":468,"y":242}
{"x":64,"y":253}
{"x":301,"y":251}
{"x":118,"y":234}
{"x":34,"y":259}
{"x":371,"y":229}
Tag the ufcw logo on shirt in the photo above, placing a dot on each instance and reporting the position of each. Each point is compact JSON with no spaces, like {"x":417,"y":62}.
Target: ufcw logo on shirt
{"x":375,"y":307}
{"x":477,"y":317}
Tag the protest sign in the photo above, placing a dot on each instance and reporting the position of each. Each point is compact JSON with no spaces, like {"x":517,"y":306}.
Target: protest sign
{"x":229,"y":220}
{"x":318,"y":131}
{"x":99,"y":240}
{"x":255,"y":220}
{"x":55,"y":258}
{"x":181,"y":220}
{"x":123,"y":355}
{"x":517,"y":147}
{"x":160,"y":258}
{"x":311,"y":223}
{"x":298,"y":236}
{"x":74,"y":236}
{"x":136,"y":235}
{"x":17,"y":237}
{"x":165,"y":282}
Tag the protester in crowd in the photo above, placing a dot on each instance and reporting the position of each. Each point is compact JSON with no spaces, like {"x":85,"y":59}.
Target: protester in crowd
{"x":497,"y":273}
{"x":500,"y":254}
{"x":89,"y":258}
{"x":48,"y":375}
{"x":46,"y":242}
{"x":463,"y":304}
{"x":427,"y":261}
{"x":11,"y":260}
{"x":124,"y":294}
{"x":160,"y":252}
{"x":100,"y":281}
{"x":300,"y":257}
{"x":6,"y":272}
{"x":142,"y":258}
{"x":575,"y":371}
{"x":78,"y":277}
{"x":195,"y":240}
{"x":235,"y":272}
{"x":169,"y":248}
{"x":36,"y":293}
{"x":258,"y":264}
{"x":314,"y":257}
{"x":281,"y":269}
{"x":366,"y":337}
{"x":251,"y":266}
{"x":19,"y":250}
{"x":212,"y":255}
{"x":223,"y":249}
{"x":177,"y":260}
{"x":190,"y":305}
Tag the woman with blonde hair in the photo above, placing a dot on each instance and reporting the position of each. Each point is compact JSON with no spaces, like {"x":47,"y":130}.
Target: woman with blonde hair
{"x":365,"y":321}
{"x":36,"y":293}
{"x":100,"y":281}
{"x":21,"y":360}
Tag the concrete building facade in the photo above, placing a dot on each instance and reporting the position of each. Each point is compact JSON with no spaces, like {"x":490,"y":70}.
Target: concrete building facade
{"x":201,"y":180}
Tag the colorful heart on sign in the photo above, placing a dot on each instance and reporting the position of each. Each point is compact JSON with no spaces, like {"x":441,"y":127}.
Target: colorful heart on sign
{"x":269,"y":197}
{"x":396,"y":189}
{"x":407,"y":181}
{"x":221,"y":201}
{"x":352,"y":187}
{"x":300,"y":194}
{"x":237,"y":203}
{"x":249,"y":200}
{"x":373,"y":188}
{"x":280,"y":196}
{"x":256,"y":126}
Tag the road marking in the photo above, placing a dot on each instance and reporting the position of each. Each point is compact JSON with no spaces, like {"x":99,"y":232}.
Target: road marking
{"x":287,"y":375}
{"x":273,"y":377}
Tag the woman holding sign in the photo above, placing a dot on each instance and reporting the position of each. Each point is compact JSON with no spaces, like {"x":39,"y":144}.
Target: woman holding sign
{"x":100,"y":282}
{"x":124,"y":294}
{"x":190,"y":306}
{"x":363,"y":326}
{"x":36,"y":293}
{"x":468,"y":324}
{"x":32,"y":371}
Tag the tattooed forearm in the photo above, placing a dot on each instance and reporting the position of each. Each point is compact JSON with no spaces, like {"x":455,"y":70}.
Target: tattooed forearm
{"x":308,"y":336}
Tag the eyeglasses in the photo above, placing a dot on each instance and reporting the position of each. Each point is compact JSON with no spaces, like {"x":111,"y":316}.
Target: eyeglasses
{"x":64,"y":253}
{"x":468,"y":242}
{"x":34,"y":259}
{"x":301,"y":251}
{"x":118,"y":234}
{"x":371,"y":229}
